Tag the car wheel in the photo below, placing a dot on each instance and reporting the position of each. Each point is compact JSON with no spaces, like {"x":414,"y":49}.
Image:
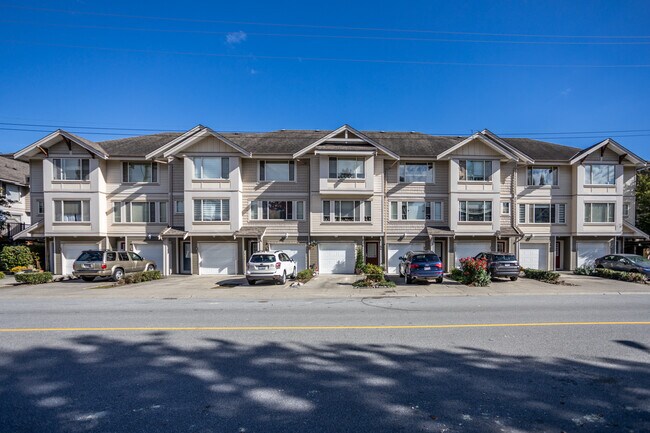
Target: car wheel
{"x":88,"y":278}
{"x":407,"y":279}
{"x":514,"y":278}
{"x":401,"y":274}
{"x":150,"y":268}
{"x":439,"y":280}
{"x":250,"y":282}
{"x":283,"y":280}
{"x":118,"y":274}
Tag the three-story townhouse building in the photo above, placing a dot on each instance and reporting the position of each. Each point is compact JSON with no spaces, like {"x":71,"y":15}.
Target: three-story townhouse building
{"x":201,"y":202}
{"x":14,"y":187}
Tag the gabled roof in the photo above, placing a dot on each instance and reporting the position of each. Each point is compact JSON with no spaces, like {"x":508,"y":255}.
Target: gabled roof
{"x":138,"y":146}
{"x":27,"y":230}
{"x":44,"y":143}
{"x":203,"y":132}
{"x":13,"y":171}
{"x":542,"y":150}
{"x":612,"y":145}
{"x":637,"y":231}
{"x":346,"y":128}
{"x":521,"y":154}
{"x":485,"y":140}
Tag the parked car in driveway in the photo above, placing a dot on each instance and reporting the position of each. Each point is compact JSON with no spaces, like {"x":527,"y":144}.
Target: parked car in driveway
{"x":421,"y":265}
{"x":625,"y":263}
{"x":270,"y":265}
{"x":501,"y":264}
{"x":115,"y":264}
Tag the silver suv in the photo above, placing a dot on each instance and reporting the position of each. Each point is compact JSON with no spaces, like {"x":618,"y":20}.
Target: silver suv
{"x":115,"y":264}
{"x":270,"y":265}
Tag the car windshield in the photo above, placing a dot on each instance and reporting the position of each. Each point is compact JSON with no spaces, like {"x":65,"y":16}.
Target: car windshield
{"x":504,"y":258}
{"x":91,"y":256}
{"x":262,"y":258}
{"x":638,"y":260}
{"x":419,"y":258}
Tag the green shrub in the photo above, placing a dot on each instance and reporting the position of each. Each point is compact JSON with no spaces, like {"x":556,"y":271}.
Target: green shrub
{"x":472,"y":272}
{"x":584,"y":270}
{"x":304,"y":276}
{"x":2,"y":275}
{"x":141,"y":277}
{"x":371,"y":283}
{"x":373,"y":272}
{"x":456,"y":274}
{"x":34,"y":277}
{"x":632,"y":277}
{"x":359,"y":260}
{"x":544,"y":276}
{"x":17,"y":269}
{"x":17,"y":255}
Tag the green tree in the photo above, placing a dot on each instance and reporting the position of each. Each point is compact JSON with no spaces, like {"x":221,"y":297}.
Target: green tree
{"x":4,"y":204}
{"x":643,"y":201}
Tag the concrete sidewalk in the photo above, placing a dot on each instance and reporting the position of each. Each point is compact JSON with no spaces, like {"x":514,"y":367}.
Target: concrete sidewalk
{"x":323,"y":286}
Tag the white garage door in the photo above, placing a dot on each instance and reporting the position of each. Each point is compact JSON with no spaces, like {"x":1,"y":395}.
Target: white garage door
{"x":336,"y":258}
{"x":590,"y":251}
{"x":151,"y":251}
{"x":470,"y":249}
{"x":533,"y":256}
{"x":217,"y":258}
{"x":395,"y":251}
{"x":70,"y":252}
{"x":297,"y":252}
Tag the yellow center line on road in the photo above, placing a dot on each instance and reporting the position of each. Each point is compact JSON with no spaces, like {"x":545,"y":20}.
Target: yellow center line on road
{"x":317,"y":328}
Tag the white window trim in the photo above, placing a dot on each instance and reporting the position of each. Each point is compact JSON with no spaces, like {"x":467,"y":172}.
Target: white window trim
{"x":210,"y":179}
{"x":83,"y":203}
{"x":260,"y":213}
{"x":332,"y":215}
{"x":349,"y":158}
{"x":159,"y":213}
{"x":626,"y":209}
{"x":529,"y":213}
{"x":509,"y":208}
{"x":54,"y":178}
{"x":553,"y":185}
{"x":608,"y":203}
{"x":591,"y":184}
{"x":153,"y":181}
{"x":201,"y":221}
{"x":490,"y":177}
{"x":40,"y":207}
{"x":467,"y":221}
{"x":432,"y":209}
{"x":295,"y":171}
{"x":432,"y":181}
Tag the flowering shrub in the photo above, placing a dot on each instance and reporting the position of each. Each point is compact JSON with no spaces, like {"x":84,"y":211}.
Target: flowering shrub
{"x":474,"y":272}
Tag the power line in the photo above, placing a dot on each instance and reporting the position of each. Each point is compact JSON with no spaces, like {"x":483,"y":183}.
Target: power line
{"x":331,"y":59}
{"x":311,"y":26}
{"x":321,"y":36}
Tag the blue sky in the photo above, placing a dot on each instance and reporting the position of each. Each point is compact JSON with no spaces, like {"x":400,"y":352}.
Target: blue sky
{"x":526,"y":68}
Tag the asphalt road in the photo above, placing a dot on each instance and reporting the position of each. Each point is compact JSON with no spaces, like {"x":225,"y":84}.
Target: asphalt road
{"x":353,"y":365}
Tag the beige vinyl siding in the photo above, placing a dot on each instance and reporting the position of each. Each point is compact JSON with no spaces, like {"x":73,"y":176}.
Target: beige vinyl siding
{"x":36,"y":175}
{"x":278,"y":227}
{"x":440,"y":185}
{"x":210,"y":145}
{"x":61,"y":149}
{"x":407,"y":226}
{"x":379,"y":175}
{"x":506,"y":178}
{"x":609,"y":156}
{"x":314,"y":167}
{"x":356,"y":228}
{"x":114,"y":183}
{"x":250,"y":168}
{"x":475,"y":148}
{"x":178,"y":179}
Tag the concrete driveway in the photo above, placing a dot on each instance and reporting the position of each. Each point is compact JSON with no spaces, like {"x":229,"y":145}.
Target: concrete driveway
{"x":323,"y":286}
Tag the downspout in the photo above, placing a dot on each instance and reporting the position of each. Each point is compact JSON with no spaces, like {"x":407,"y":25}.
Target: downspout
{"x":514,"y":220}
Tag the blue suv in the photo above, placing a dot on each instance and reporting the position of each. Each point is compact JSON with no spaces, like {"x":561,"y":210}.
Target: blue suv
{"x":421,"y":265}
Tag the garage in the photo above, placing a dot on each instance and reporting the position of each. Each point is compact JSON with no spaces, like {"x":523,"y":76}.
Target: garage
{"x":533,"y":256}
{"x":150,"y":251}
{"x":298,"y":252}
{"x":217,"y":258}
{"x":69,"y":253}
{"x":336,"y":257}
{"x":395,"y":251}
{"x":588,"y":251}
{"x":470,"y":249}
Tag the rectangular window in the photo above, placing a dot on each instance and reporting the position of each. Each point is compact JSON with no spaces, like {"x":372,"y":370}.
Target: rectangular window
{"x":210,"y":167}
{"x":346,"y":168}
{"x":277,"y":210}
{"x":140,"y":212}
{"x":437,"y":211}
{"x":347,"y":210}
{"x":212,"y":210}
{"x":561,"y":213}
{"x":539,"y":176}
{"x":600,"y":212}
{"x":416,"y":211}
{"x":600,"y":174}
{"x":162,"y":212}
{"x":416,"y":172}
{"x":71,"y":168}
{"x":505,"y":208}
{"x":179,"y":206}
{"x":522,"y":214}
{"x":626,"y":210}
{"x":277,"y":171}
{"x":72,"y":210}
{"x":475,"y":170}
{"x":475,"y":211}
{"x":40,"y":206}
{"x":393,"y":210}
{"x":117,"y":211}
{"x":543,"y":214}
{"x":140,"y":172}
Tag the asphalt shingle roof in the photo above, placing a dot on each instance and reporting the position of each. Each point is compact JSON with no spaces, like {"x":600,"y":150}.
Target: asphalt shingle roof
{"x":12,"y":170}
{"x":138,"y":146}
{"x":542,"y":150}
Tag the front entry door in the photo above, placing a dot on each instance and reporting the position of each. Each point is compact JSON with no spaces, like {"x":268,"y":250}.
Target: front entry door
{"x":559,"y":246}
{"x":186,"y":258}
{"x":372,"y":252}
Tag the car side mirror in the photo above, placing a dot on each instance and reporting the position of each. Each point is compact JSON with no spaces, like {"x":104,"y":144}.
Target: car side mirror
{"x":401,"y":258}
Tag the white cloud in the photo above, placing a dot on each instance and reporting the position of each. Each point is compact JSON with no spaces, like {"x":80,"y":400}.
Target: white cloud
{"x":233,"y":38}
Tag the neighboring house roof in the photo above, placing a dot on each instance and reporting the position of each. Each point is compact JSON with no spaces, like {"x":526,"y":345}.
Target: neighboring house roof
{"x":138,"y":146}
{"x":542,"y":150}
{"x":13,"y":171}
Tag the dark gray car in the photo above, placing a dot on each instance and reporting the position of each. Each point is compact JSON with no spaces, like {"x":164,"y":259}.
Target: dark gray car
{"x":625,"y":263}
{"x":501,"y":264}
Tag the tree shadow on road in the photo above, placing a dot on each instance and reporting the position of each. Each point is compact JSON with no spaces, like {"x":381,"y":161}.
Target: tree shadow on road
{"x":167,"y":383}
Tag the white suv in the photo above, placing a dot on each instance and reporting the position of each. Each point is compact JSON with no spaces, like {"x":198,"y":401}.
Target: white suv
{"x":270,"y":265}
